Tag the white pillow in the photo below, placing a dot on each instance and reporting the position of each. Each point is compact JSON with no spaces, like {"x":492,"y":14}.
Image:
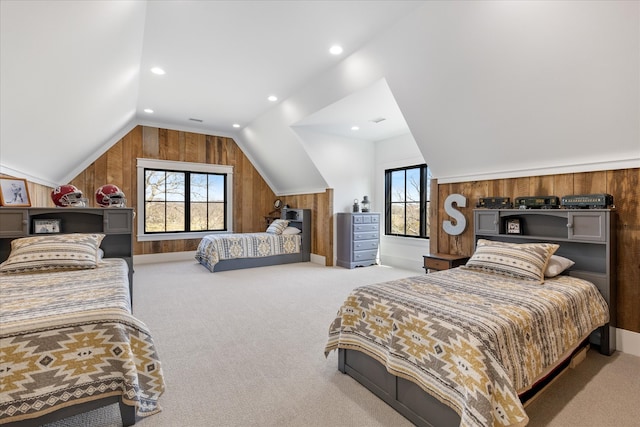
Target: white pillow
{"x":291,"y":230}
{"x":557,"y":265}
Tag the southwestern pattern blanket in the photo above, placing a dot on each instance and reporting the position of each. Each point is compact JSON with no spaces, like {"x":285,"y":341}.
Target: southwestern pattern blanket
{"x":216,"y":247}
{"x":68,"y":337}
{"x":473,"y":340}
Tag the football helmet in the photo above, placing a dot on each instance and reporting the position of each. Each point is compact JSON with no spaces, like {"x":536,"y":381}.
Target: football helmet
{"x":68,"y":196}
{"x":110,"y":196}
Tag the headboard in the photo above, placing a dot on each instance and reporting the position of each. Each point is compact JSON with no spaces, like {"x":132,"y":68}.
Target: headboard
{"x":300,"y":218}
{"x":586,"y":236}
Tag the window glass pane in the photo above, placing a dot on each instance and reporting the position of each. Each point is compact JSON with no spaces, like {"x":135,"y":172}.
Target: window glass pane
{"x":198,"y":216}
{"x":198,"y":187}
{"x":397,"y":186}
{"x":413,"y":185}
{"x":175,"y":216}
{"x":216,"y":188}
{"x":167,"y":198}
{"x":428,"y":184}
{"x":154,"y":188}
{"x":216,"y":216}
{"x":413,"y":219}
{"x":174,"y":187}
{"x":154,"y":217}
{"x":397,"y":218}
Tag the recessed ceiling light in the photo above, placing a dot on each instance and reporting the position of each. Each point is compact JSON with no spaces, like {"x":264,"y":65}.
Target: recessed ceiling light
{"x":148,"y":110}
{"x":272,"y":98}
{"x":355,"y":127}
{"x":236,"y":125}
{"x":335,"y":50}
{"x":157,"y":70}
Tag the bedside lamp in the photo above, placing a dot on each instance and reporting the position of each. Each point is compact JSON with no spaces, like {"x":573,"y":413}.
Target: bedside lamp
{"x":366,"y":204}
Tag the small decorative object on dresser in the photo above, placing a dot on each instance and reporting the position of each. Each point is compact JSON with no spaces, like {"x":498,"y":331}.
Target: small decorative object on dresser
{"x":358,"y":239}
{"x":366,"y":204}
{"x":440,"y":261}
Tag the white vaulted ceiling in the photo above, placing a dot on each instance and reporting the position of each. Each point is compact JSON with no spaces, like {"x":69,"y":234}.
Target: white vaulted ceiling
{"x":76,"y":75}
{"x":486,"y":88}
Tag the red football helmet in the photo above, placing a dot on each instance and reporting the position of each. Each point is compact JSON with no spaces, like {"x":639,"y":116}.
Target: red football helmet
{"x":109,"y":196}
{"x":68,"y":195}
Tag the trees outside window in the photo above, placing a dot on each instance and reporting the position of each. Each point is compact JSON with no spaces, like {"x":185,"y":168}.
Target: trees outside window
{"x":407,"y":195}
{"x":183,"y":201}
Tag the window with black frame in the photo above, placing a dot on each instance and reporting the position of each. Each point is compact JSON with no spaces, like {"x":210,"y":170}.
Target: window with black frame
{"x":184,"y":201}
{"x":407,"y":195}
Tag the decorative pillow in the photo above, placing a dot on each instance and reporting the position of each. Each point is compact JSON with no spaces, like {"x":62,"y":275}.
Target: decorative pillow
{"x":557,"y":265}
{"x":53,"y":252}
{"x":526,"y":261}
{"x":291,"y":230}
{"x":277,"y":226}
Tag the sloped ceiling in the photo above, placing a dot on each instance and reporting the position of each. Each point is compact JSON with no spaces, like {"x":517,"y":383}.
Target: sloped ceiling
{"x":486,"y":88}
{"x":76,"y":76}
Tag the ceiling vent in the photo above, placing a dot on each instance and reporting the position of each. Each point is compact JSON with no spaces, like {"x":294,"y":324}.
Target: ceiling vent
{"x":378,"y":120}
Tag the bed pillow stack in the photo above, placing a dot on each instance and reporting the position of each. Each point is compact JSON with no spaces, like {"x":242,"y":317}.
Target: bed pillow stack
{"x":277,"y":226}
{"x":49,"y":253}
{"x":526,"y":261}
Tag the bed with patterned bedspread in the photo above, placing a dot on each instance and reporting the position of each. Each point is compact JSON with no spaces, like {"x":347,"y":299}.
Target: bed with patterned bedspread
{"x":474,"y":341}
{"x":68,"y":337}
{"x":222,"y":247}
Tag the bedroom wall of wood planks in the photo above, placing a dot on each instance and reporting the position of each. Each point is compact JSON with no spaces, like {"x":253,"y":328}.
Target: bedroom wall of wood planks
{"x":253,"y":198}
{"x":622,"y":184}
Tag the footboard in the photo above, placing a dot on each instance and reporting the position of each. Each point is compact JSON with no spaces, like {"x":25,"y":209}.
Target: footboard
{"x":404,"y":396}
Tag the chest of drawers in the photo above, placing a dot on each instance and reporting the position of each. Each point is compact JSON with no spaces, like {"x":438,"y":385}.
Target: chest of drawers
{"x":358,"y":236}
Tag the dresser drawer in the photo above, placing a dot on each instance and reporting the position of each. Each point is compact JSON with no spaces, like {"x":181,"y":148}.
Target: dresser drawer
{"x":366,"y":236}
{"x":358,"y":228}
{"x":436,"y":264}
{"x":364,"y":255}
{"x":361,"y":245}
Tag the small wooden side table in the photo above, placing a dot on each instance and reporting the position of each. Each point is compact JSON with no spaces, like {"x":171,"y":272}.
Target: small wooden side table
{"x":441,"y":261}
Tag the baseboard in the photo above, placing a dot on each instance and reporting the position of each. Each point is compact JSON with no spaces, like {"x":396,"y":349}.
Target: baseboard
{"x":318,"y":259}
{"x":402,"y":263}
{"x":628,"y":342}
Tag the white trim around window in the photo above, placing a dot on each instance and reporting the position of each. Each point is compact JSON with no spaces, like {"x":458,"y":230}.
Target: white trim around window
{"x":180,"y":166}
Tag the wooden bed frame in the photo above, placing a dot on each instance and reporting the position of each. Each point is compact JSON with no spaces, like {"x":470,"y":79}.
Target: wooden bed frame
{"x":587,"y":237}
{"x":299,"y":218}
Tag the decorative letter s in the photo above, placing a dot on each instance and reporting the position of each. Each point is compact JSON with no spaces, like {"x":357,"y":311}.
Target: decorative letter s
{"x":461,"y":222}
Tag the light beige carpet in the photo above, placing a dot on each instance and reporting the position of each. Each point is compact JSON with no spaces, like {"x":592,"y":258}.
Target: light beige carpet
{"x":245,"y":348}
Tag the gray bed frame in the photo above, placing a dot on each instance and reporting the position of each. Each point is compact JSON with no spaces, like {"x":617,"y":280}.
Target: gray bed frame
{"x":299,"y":218}
{"x":587,"y":237}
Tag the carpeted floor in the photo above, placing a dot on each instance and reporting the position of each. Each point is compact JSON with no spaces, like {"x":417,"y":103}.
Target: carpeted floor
{"x":245,"y":348}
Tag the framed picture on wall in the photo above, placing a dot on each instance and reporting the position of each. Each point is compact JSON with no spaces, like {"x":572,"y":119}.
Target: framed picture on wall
{"x":14,"y":192}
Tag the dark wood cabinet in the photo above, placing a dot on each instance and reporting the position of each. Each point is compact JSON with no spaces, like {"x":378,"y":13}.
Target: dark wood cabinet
{"x":440,"y":261}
